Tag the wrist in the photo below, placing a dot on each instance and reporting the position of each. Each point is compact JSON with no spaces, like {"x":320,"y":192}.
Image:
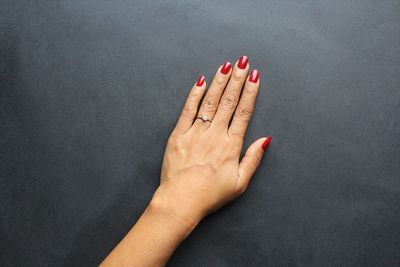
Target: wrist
{"x":181,"y":226}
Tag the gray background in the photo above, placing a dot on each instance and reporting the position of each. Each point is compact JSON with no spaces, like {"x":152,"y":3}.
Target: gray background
{"x":90,"y":91}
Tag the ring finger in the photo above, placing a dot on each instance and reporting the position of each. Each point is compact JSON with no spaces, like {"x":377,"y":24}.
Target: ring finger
{"x":211,"y":100}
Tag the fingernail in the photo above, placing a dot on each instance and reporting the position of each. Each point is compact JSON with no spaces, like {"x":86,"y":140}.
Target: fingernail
{"x":266,"y":143}
{"x":201,"y":80}
{"x":226,"y":67}
{"x":254,"y":75}
{"x":243,"y":60}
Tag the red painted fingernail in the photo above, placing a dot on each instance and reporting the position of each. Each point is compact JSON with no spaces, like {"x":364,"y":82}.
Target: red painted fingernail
{"x":201,"y":80}
{"x":243,"y":60}
{"x":266,"y":143}
{"x":226,"y":67}
{"x":254,"y":75}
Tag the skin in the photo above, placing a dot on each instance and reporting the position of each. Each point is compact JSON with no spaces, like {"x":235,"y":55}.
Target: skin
{"x":201,"y":169}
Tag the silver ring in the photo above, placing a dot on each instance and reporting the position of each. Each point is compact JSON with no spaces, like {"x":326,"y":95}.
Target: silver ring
{"x":203,"y":118}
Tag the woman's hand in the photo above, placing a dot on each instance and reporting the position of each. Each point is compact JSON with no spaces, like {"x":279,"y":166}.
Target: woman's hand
{"x":201,"y":169}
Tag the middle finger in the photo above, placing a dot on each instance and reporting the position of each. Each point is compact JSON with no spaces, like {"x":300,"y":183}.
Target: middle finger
{"x":231,"y":94}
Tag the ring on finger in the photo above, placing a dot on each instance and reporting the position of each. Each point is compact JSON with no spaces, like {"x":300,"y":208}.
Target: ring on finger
{"x":204,"y":118}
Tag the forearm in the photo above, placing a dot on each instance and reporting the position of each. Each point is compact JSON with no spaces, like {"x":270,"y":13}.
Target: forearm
{"x":151,"y":241}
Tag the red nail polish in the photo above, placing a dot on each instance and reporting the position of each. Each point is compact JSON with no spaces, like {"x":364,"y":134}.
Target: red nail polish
{"x":266,"y":143}
{"x":243,"y":62}
{"x":201,"y":80}
{"x":226,"y":67}
{"x":254,"y":75}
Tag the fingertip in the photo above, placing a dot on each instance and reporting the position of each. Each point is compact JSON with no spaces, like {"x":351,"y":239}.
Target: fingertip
{"x":201,"y":81}
{"x":254,"y":76}
{"x":266,"y":143}
{"x":225,"y":68}
{"x":243,"y":62}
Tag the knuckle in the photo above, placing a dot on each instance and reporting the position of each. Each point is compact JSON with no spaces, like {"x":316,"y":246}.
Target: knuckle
{"x":228,"y":102}
{"x":209,"y":105}
{"x":171,"y":142}
{"x":175,"y":144}
{"x":188,"y":110}
{"x":236,"y":133}
{"x":219,"y":81}
{"x":192,"y":98}
{"x":244,"y":113}
{"x":237,"y":77}
{"x":189,"y":107}
{"x":249,"y":90}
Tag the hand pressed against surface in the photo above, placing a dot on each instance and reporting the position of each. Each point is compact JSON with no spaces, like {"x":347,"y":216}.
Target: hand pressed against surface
{"x":202,"y":169}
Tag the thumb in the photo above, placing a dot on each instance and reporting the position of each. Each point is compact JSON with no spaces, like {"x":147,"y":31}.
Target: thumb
{"x":252,"y":159}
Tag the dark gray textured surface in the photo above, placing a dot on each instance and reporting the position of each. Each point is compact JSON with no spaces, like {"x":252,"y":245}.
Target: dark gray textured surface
{"x":90,"y":91}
